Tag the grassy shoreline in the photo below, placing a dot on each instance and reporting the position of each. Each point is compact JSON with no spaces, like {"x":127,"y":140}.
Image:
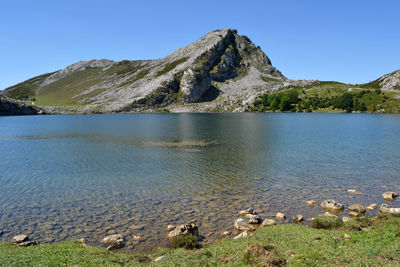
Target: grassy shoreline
{"x":291,"y":244}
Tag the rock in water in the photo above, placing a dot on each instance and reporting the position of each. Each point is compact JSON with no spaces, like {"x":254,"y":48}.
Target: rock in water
{"x":311,"y":202}
{"x":329,"y":214}
{"x":116,"y":245}
{"x":184,"y":229}
{"x":332,"y":205}
{"x":255,"y":219}
{"x":19,"y":238}
{"x":353,"y":191}
{"x":280,"y":216}
{"x":248,"y":211}
{"x":371,"y":207}
{"x":243,"y":225}
{"x":389,"y":196}
{"x":356,"y":210}
{"x":298,"y":218}
{"x":268,"y":222}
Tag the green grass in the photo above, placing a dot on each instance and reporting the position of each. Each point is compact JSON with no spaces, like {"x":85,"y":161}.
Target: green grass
{"x":171,"y":66}
{"x":297,"y":245}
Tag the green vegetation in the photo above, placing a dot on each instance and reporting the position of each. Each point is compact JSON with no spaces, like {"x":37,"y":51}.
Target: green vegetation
{"x":185,"y":241}
{"x":294,"y":245}
{"x":327,"y":222}
{"x":328,"y":97}
{"x":171,"y":66}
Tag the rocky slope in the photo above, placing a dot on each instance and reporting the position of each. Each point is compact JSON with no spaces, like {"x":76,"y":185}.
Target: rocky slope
{"x":389,"y":82}
{"x":222,"y":71}
{"x":10,"y":106}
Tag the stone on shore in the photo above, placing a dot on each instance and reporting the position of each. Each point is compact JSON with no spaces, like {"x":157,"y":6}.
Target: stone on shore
{"x":255,"y":219}
{"x":298,"y":218}
{"x":184,"y":229}
{"x":389,"y":196}
{"x":171,"y":227}
{"x":19,"y":238}
{"x":280,"y":216}
{"x":332,"y":205}
{"x":225,"y":233}
{"x":311,"y":202}
{"x":27,"y":243}
{"x":242,"y":225}
{"x":356,"y":210}
{"x":268,"y":222}
{"x":242,"y":235}
{"x":114,"y":241}
{"x":385,"y":209}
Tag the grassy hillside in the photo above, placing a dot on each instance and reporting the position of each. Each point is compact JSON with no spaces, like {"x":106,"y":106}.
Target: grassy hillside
{"x":330,"y":97}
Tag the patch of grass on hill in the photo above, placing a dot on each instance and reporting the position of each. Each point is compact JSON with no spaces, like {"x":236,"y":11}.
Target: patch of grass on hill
{"x":171,"y":66}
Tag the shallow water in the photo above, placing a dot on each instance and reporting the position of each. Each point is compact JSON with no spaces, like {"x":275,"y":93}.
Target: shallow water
{"x":68,"y":177}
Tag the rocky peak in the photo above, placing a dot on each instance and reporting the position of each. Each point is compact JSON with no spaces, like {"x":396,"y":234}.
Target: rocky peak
{"x":390,"y":82}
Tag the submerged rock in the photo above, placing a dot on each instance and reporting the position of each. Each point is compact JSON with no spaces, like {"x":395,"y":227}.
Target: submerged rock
{"x":332,"y":205}
{"x":19,"y":238}
{"x":268,"y":222}
{"x":255,"y":219}
{"x":356,"y":210}
{"x":184,"y":229}
{"x":389,"y":196}
{"x":243,"y":225}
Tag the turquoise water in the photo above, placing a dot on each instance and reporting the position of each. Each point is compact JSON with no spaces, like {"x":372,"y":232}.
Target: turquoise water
{"x":67,"y":177}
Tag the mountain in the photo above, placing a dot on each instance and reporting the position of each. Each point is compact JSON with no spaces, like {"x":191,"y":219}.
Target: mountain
{"x":222,"y":71}
{"x":388,"y":82}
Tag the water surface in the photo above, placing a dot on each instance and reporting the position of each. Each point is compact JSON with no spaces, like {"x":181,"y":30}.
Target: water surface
{"x":68,"y":177}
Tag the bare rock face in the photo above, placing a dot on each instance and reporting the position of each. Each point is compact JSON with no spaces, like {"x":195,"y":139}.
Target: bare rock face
{"x":390,"y":82}
{"x":184,"y":229}
{"x":10,"y":106}
{"x":332,"y":205}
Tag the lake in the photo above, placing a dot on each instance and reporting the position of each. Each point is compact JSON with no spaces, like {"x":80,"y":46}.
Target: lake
{"x":87,"y":176}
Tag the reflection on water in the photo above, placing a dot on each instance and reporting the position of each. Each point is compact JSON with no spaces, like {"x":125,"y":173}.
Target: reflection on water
{"x":67,"y":177}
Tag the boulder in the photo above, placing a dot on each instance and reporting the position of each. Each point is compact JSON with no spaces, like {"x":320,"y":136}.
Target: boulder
{"x":112,"y":239}
{"x":385,"y":209}
{"x":248,"y":211}
{"x":243,"y":225}
{"x":332,"y":205}
{"x":255,"y":219}
{"x":389,"y":196}
{"x":19,"y":238}
{"x":298,"y":218}
{"x":268,"y":222}
{"x":242,"y":235}
{"x":356,"y":210}
{"x":280,"y":216}
{"x":311,"y":202}
{"x":184,"y":229}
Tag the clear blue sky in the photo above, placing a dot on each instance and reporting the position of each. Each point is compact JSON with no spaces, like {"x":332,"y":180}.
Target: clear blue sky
{"x":350,"y":41}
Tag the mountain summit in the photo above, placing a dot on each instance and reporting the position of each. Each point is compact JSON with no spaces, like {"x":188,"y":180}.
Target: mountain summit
{"x":221,"y":71}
